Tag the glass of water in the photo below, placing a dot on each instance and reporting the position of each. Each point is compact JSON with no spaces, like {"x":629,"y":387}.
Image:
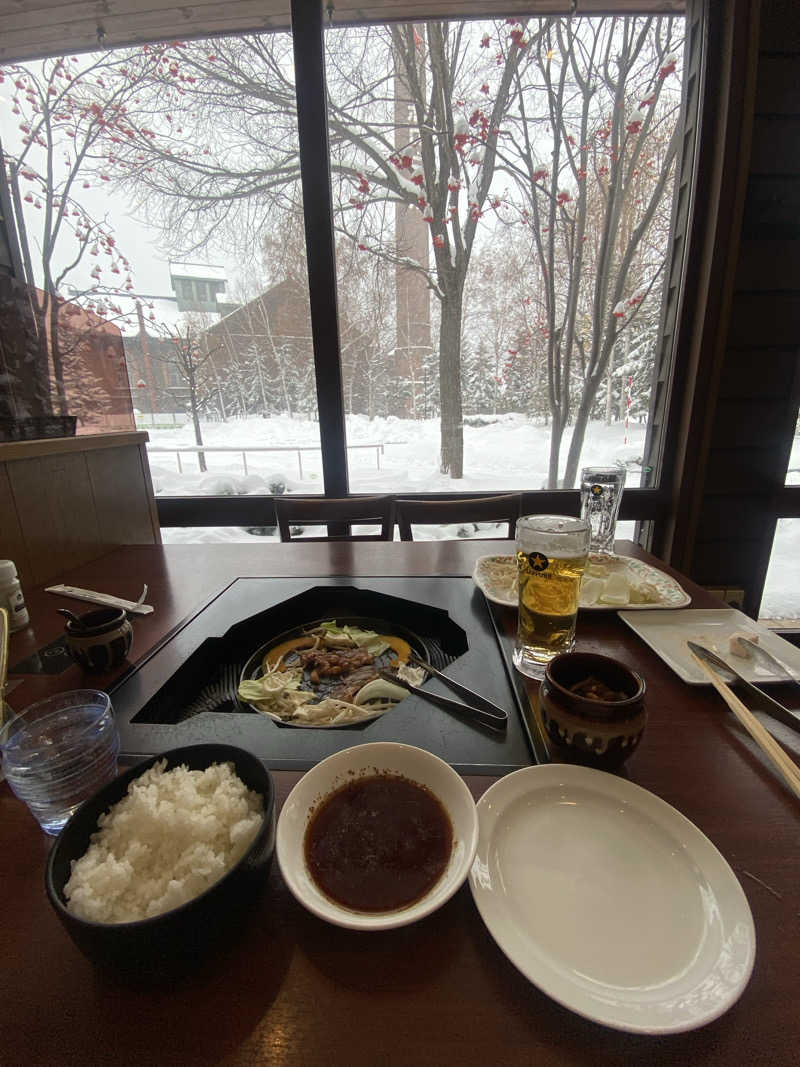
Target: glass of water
{"x":601,"y":493}
{"x":59,"y":752}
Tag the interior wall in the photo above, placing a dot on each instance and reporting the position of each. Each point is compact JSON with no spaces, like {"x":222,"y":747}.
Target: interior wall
{"x":753,"y":402}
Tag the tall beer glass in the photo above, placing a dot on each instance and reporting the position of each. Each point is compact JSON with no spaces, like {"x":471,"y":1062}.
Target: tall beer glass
{"x":551,"y":556}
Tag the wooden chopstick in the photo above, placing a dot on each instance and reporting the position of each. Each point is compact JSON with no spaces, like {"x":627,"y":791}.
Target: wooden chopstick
{"x":762,"y":737}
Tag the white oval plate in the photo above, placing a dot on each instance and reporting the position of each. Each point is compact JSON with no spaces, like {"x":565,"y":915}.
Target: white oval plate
{"x":610,"y":901}
{"x":416,"y":764}
{"x":496,"y":577}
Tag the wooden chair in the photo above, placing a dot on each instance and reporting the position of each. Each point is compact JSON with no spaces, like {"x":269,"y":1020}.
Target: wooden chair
{"x":321,"y":511}
{"x":501,"y":509}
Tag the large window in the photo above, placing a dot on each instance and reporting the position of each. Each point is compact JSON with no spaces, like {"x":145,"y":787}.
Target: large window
{"x":502,"y":206}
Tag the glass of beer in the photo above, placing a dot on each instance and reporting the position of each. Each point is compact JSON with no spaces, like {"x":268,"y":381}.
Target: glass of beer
{"x":551,"y":556}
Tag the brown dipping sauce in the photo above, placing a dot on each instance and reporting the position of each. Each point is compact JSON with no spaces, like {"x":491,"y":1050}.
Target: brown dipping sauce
{"x":378,"y":843}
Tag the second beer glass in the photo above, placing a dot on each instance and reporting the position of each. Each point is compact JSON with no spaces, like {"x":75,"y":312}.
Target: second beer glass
{"x":551,"y":557}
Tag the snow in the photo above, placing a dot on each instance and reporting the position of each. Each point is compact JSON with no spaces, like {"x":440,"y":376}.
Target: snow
{"x":198,"y":270}
{"x":511,"y":453}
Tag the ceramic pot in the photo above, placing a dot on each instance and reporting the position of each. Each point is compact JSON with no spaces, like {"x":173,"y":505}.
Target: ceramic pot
{"x":598,"y":732}
{"x":100,"y":639}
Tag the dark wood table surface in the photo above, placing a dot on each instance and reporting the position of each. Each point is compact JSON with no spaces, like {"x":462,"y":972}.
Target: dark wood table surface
{"x":295,"y":990}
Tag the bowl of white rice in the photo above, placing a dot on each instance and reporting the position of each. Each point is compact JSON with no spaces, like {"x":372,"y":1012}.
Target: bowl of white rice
{"x":164,"y":862}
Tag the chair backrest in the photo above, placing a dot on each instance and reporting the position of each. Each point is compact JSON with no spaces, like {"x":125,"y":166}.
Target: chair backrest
{"x":320,"y":511}
{"x":503,"y":509}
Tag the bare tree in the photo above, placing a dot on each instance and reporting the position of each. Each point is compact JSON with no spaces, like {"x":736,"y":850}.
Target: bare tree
{"x":189,"y":355}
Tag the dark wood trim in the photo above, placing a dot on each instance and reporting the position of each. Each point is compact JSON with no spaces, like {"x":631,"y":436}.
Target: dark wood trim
{"x":312,"y":123}
{"x":642,"y":504}
{"x":725,"y":126}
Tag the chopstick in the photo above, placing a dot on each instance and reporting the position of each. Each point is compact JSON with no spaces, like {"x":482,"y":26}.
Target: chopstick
{"x":762,"y":737}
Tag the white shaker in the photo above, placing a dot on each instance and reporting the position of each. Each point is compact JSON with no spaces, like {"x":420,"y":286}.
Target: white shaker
{"x":11,"y":597}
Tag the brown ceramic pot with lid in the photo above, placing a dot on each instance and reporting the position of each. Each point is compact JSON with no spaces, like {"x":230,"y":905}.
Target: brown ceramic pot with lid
{"x":592,"y":708}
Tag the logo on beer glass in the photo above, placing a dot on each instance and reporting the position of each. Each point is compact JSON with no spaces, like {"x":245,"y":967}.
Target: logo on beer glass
{"x":597,"y":490}
{"x":538,"y":561}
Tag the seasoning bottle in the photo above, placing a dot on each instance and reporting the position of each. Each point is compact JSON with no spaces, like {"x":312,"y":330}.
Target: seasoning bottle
{"x":11,"y":597}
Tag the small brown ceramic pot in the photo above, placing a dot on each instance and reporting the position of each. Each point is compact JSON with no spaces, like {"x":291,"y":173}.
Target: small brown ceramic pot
{"x":601,"y":733}
{"x":100,"y":639}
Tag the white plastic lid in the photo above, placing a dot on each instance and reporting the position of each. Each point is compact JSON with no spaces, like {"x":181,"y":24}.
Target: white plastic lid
{"x":8,"y":572}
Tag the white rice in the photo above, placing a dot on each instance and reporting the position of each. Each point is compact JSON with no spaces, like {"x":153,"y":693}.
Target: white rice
{"x":172,"y":836}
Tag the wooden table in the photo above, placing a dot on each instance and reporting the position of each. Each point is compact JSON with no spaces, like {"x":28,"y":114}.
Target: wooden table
{"x":298,"y":991}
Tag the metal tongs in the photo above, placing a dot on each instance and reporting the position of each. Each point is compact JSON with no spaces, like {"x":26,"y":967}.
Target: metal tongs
{"x":759,"y":700}
{"x":481,"y":709}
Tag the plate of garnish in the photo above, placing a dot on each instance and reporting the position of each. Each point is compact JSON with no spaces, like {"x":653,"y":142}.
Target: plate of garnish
{"x":610,"y":583}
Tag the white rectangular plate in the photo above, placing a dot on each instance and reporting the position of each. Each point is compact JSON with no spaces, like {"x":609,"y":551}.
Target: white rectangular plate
{"x":667,"y":633}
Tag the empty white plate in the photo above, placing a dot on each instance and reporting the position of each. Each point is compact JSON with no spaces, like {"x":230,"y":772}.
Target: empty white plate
{"x":609,"y":900}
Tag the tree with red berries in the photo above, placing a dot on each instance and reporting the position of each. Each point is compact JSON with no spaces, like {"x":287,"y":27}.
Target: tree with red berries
{"x":593,"y":168}
{"x":70,"y":114}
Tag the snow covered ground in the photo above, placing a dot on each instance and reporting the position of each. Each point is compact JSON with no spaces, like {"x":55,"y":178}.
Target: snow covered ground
{"x":510,"y":453}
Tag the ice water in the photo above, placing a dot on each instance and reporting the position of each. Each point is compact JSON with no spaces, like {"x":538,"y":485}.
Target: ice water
{"x":55,"y":761}
{"x":601,"y":493}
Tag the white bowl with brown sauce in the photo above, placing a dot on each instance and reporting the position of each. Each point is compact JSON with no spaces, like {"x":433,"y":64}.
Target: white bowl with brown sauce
{"x":377,"y":836}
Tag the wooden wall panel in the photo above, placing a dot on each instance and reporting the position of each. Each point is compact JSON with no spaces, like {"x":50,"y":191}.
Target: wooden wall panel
{"x":776,"y":145}
{"x":123,"y":518}
{"x":67,"y":501}
{"x":769,"y":265}
{"x":12,"y":543}
{"x":727,"y":564}
{"x":758,"y":372}
{"x":752,"y":423}
{"x":761,"y":319}
{"x":780,"y":27}
{"x":777,"y":88}
{"x":740,"y":470}
{"x":756,"y":401}
{"x":55,"y":505}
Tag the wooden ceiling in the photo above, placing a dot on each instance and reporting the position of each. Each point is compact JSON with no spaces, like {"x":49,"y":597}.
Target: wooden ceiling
{"x":38,"y":28}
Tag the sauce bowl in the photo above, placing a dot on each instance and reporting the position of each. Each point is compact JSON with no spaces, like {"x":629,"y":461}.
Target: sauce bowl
{"x":415,"y":764}
{"x":601,"y":733}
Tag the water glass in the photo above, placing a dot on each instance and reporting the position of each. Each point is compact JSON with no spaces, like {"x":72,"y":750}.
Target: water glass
{"x":59,"y":752}
{"x":551,"y":557}
{"x":601,"y":493}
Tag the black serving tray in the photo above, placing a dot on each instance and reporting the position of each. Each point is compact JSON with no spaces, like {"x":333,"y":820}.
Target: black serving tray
{"x":161,"y":704}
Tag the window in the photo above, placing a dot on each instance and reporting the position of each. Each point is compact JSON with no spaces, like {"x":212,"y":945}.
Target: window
{"x":125,"y":236}
{"x":467,"y":358}
{"x":502,"y":200}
